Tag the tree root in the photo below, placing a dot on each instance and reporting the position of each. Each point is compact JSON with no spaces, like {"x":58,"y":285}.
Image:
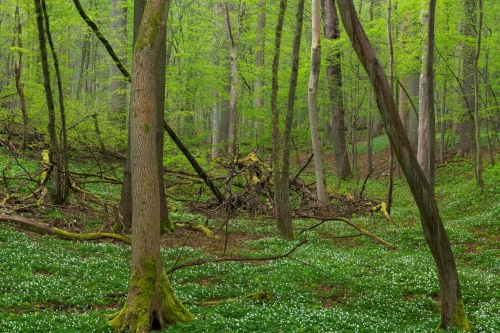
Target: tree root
{"x":352,"y":224}
{"x":50,"y":230}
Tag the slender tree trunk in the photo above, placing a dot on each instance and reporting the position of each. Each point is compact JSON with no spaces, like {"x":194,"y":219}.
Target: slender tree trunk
{"x":278,"y":189}
{"x":151,"y":303}
{"x":442,"y":124}
{"x":286,"y":228}
{"x":334,"y":73}
{"x":118,"y":85}
{"x":215,"y":107}
{"x":313,"y":103}
{"x":84,"y":60}
{"x":430,"y":96}
{"x":19,"y":87}
{"x":258,"y":101}
{"x":233,"y":97}
{"x":423,"y":112}
{"x":452,"y":306}
{"x":413,"y":88}
{"x":57,"y":176}
{"x":477,"y":119}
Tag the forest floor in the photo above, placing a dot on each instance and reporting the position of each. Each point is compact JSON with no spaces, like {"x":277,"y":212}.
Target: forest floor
{"x":338,"y":281}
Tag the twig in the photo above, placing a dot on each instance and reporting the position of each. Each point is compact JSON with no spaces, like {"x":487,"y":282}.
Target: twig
{"x":354,"y":225}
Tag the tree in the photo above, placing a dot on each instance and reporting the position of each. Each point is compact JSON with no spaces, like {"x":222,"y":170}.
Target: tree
{"x":313,"y":103}
{"x":452,"y":306}
{"x":286,"y":227}
{"x":334,"y":73}
{"x":477,"y":120}
{"x":59,"y":156}
{"x":287,"y":233}
{"x":151,"y":303}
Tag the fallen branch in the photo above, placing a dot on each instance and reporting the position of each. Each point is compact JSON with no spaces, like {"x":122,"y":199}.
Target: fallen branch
{"x":50,"y":230}
{"x":202,"y":262}
{"x":260,"y":295}
{"x":354,"y":225}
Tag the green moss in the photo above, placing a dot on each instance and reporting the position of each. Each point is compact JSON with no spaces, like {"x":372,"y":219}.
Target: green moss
{"x":151,"y":297}
{"x":460,"y":317}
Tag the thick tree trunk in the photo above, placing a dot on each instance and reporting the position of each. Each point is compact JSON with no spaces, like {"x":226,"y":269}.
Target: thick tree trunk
{"x":334,"y":74}
{"x":151,"y":303}
{"x":118,"y":85}
{"x":286,"y":228}
{"x":278,"y":189}
{"x":313,"y":103}
{"x":452,"y":306}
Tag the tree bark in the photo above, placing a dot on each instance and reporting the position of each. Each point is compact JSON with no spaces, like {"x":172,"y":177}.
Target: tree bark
{"x":313,"y":103}
{"x":334,"y":74}
{"x":151,"y":303}
{"x":258,"y":101}
{"x":452,"y":306}
{"x":19,"y":86}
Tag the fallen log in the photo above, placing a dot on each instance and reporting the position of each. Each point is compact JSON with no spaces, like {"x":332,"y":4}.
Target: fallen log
{"x":50,"y":230}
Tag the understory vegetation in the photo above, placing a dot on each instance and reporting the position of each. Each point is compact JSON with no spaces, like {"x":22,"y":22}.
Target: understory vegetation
{"x":338,"y":281}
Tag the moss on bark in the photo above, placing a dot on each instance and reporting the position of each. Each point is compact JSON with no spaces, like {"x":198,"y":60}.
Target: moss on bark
{"x":151,"y":302}
{"x":460,"y":317}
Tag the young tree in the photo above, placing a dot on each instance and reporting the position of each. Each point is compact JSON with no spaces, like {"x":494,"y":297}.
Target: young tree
{"x":313,"y":102}
{"x":452,"y":306}
{"x":151,"y":303}
{"x":477,"y":120}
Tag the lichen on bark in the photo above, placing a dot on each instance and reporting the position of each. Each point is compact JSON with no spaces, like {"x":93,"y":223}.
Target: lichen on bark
{"x":151,"y":302}
{"x":460,"y":316}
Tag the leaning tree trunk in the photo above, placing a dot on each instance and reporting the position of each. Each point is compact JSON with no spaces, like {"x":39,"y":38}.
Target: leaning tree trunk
{"x":313,"y":103}
{"x":151,"y":303}
{"x":452,"y":306}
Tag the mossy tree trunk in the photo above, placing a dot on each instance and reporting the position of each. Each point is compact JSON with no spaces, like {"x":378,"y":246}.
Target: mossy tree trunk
{"x":151,"y":303}
{"x":452,"y":306}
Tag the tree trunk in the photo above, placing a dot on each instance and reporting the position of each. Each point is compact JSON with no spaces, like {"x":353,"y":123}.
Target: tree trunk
{"x":430,"y":96}
{"x":215,"y":107}
{"x":19,"y":87}
{"x":233,"y":97}
{"x":258,"y":101}
{"x":313,"y":103}
{"x":151,"y":303}
{"x":390,"y":185}
{"x":466,"y":123}
{"x":278,"y":195}
{"x":477,"y":120}
{"x":413,"y":88}
{"x":118,"y":85}
{"x":452,"y":306}
{"x":334,"y":74}
{"x":286,"y":228}
{"x":58,"y":190}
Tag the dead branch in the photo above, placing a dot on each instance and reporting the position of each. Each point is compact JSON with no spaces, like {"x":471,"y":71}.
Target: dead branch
{"x":50,"y":230}
{"x":202,"y":262}
{"x":352,"y":224}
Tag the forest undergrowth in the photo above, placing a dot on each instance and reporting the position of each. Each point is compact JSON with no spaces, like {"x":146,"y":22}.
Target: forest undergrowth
{"x":339,"y":281}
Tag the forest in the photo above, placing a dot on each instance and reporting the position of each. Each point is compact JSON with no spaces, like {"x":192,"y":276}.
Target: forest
{"x":249,"y":166}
